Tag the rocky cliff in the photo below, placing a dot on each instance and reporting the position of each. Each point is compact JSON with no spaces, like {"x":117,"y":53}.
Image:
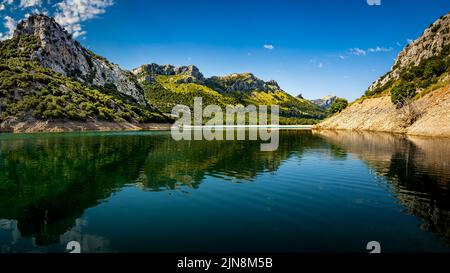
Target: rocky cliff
{"x":167,"y":86}
{"x":244,"y":82}
{"x":325,"y":102}
{"x":49,"y":82}
{"x":431,"y":43}
{"x":420,"y":77}
{"x":47,"y":76}
{"x":187,"y":74}
{"x":61,"y":53}
{"x":237,"y":82}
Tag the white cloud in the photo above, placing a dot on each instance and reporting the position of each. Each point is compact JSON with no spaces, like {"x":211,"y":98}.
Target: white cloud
{"x":4,"y":3}
{"x":374,"y":2}
{"x":270,"y":47}
{"x":68,"y":13}
{"x":29,"y":3}
{"x":10,"y":24}
{"x":318,"y":63}
{"x":40,"y":11}
{"x":71,"y":13}
{"x":380,"y":49}
{"x":409,"y":41}
{"x":363,"y":52}
{"x":76,"y":30}
{"x":358,"y":51}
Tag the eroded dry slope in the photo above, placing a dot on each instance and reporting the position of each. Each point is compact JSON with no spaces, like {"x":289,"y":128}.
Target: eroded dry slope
{"x":379,"y":114}
{"x":414,"y":97}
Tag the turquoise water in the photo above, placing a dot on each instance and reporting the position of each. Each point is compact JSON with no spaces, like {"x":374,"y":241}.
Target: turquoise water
{"x":144,"y":192}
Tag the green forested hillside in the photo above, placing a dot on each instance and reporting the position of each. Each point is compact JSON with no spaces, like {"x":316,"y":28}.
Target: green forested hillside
{"x":46,"y":75}
{"x":166,"y":91}
{"x":427,"y":75}
{"x":29,"y":91}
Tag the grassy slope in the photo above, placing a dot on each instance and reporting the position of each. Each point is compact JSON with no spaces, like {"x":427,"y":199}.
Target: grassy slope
{"x":165,"y":93}
{"x":28,"y":90}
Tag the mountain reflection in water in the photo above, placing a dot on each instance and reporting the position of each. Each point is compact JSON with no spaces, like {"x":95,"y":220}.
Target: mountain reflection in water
{"x":315,"y":193}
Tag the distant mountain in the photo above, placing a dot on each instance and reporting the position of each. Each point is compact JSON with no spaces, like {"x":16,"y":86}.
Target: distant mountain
{"x":48,"y":79}
{"x":45,"y":75}
{"x":325,"y":102}
{"x":412,"y":98}
{"x":244,"y":82}
{"x":166,"y":86}
{"x":186,"y":74}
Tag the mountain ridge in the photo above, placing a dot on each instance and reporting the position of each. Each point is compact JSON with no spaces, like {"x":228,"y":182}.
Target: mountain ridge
{"x":167,"y":86}
{"x":413,"y":97}
{"x":38,"y":90}
{"x":49,"y":77}
{"x":325,"y":102}
{"x":234,"y":82}
{"x":63,"y":54}
{"x":432,"y":41}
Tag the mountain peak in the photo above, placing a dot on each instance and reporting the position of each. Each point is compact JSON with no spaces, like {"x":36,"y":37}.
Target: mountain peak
{"x":36,"y":24}
{"x":430,"y":44}
{"x":190,"y":73}
{"x":242,"y":82}
{"x":325,"y":102}
{"x":64,"y":55}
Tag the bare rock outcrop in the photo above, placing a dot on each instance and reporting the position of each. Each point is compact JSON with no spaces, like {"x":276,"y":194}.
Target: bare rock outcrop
{"x":379,"y":114}
{"x":428,"y":113}
{"x":242,"y":82}
{"x":325,"y":102}
{"x":61,"y":53}
{"x":429,"y":44}
{"x":189,"y":74}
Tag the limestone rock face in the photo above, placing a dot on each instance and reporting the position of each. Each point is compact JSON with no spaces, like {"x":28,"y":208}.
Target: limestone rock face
{"x":238,"y":82}
{"x":325,"y":102}
{"x":61,"y":53}
{"x":189,"y":74}
{"x":430,"y":44}
{"x":243,"y":82}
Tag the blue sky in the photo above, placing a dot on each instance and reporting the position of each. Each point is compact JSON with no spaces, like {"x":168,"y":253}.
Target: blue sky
{"x":315,"y":48}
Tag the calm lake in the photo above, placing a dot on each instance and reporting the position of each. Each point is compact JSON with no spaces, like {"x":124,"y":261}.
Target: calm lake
{"x":144,"y":192}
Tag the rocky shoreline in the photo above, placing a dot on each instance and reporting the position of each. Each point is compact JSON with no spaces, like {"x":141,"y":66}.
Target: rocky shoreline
{"x":380,"y":115}
{"x":73,"y":126}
